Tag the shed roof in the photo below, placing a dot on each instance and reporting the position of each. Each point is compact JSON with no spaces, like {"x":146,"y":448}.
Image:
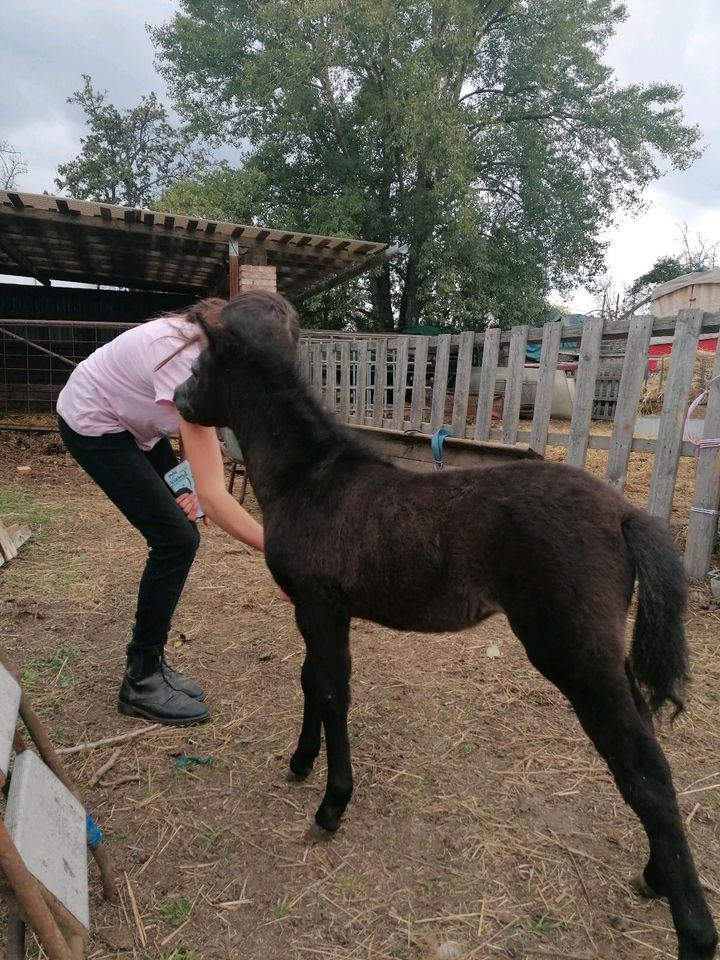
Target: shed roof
{"x":686,"y":280}
{"x":58,"y":238}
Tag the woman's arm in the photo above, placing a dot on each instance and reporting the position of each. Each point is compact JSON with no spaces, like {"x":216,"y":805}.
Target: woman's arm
{"x":202,"y":449}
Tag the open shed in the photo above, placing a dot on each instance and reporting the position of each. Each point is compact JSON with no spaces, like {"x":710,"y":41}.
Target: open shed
{"x":136,"y":263}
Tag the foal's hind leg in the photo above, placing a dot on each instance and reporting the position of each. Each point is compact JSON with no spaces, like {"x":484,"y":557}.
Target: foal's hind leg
{"x":606,"y":706}
{"x":326,"y":685}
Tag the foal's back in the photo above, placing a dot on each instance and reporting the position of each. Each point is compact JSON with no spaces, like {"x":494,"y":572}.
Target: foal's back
{"x":443,"y":550}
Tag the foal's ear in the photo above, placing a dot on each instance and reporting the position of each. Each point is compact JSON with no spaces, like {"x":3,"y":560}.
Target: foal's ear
{"x":211,"y":330}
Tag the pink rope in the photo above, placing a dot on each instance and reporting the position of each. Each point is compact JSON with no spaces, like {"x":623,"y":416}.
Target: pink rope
{"x":706,"y":444}
{"x":697,"y":443}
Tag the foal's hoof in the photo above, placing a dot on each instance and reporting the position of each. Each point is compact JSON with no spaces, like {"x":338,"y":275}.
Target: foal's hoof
{"x":298,"y":771}
{"x":643,"y":888}
{"x":317,"y":834}
{"x":293,"y":777}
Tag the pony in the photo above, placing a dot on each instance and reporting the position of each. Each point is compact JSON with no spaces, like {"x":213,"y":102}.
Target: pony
{"x":350,"y":534}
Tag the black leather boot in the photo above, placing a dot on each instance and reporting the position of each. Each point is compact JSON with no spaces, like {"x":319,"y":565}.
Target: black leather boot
{"x":180,"y":682}
{"x":146,"y":692}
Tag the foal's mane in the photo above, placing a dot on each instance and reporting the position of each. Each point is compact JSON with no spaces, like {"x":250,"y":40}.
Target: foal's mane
{"x":287,"y":393}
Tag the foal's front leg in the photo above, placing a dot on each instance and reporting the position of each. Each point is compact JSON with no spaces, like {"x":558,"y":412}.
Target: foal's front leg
{"x":326,"y":686}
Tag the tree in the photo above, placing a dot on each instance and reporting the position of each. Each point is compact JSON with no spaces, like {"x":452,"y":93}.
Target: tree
{"x":695,"y":255}
{"x":489,"y":136}
{"x":128,"y":157}
{"x":12,"y":165}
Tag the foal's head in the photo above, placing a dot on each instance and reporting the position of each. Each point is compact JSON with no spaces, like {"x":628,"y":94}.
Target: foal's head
{"x":256,"y":327}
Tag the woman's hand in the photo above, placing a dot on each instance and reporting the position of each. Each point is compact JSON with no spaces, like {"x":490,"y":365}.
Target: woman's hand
{"x":189,"y":504}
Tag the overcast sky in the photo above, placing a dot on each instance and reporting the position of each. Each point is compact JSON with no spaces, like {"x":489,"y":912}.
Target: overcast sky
{"x":47,"y":46}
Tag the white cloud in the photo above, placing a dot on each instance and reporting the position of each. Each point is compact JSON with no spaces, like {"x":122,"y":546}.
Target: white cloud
{"x":664,"y":41}
{"x":47,"y":46}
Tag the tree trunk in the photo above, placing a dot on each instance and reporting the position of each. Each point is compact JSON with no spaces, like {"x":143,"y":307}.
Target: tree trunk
{"x":381,"y":299}
{"x":409,"y":304}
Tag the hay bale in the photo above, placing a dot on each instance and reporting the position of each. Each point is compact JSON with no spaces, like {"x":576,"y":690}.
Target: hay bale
{"x":653,"y":395}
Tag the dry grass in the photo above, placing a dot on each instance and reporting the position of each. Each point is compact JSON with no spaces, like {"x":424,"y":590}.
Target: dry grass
{"x":482,"y":817}
{"x":653,"y":395}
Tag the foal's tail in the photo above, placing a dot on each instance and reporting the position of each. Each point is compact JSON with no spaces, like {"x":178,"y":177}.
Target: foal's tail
{"x":658,"y":658}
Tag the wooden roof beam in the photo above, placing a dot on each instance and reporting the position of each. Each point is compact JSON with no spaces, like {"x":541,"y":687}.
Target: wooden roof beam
{"x":329,"y":283}
{"x":23,"y":263}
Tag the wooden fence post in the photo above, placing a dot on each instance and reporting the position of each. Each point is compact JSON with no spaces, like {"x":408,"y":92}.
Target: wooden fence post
{"x":585,"y":391}
{"x":514,"y":384}
{"x":545,"y":387}
{"x":703,"y":522}
{"x":417,"y":402}
{"x":380,"y":381}
{"x":344,"y":405}
{"x":486,"y":390}
{"x":631,"y":384}
{"x":674,"y":409}
{"x":442,"y":364}
{"x":462,"y":383}
{"x":400,"y":383}
{"x":361,"y":380}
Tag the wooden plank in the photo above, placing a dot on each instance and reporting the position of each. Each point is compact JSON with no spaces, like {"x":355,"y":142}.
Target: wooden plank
{"x":513,"y":387}
{"x":19,"y":534}
{"x":9,"y":704}
{"x":486,"y":390}
{"x":361,"y":380}
{"x":344,"y":405}
{"x":440,"y":379}
{"x":316,"y":354}
{"x":545,"y":387}
{"x":703,"y":522}
{"x":380,"y":381}
{"x":7,"y":547}
{"x":47,"y":825}
{"x":330,"y":396}
{"x":414,"y":450}
{"x":303,"y":360}
{"x":585,"y":381}
{"x":631,"y":384}
{"x":417,"y":403}
{"x":400,"y":382}
{"x":672,"y":418}
{"x":462,"y":383}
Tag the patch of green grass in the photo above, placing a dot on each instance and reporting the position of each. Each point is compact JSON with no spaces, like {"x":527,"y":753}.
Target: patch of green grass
{"x":541,"y":924}
{"x":282,"y":908}
{"x":211,"y":837}
{"x":350,"y":883}
{"x":174,"y":910}
{"x":53,"y":663}
{"x":177,"y":953}
{"x":18,"y":506}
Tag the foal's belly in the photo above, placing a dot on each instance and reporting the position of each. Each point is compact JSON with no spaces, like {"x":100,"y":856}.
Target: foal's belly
{"x":430,"y":613}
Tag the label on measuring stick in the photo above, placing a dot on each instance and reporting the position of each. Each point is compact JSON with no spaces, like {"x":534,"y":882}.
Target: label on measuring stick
{"x":180,"y":480}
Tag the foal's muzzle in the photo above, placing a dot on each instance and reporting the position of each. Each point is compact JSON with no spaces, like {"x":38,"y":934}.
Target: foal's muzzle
{"x":183,"y":402}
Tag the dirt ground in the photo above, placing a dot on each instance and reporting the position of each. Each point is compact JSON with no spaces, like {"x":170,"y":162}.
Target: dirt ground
{"x":483,"y":824}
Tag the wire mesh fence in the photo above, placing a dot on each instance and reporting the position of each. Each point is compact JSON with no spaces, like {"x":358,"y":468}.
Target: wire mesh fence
{"x":36,"y":359}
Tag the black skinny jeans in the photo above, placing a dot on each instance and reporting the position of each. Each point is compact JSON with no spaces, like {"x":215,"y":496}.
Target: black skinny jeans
{"x":133,"y":480}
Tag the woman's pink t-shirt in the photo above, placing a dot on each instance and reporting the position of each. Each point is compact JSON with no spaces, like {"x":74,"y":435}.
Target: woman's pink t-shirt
{"x":118,"y":388}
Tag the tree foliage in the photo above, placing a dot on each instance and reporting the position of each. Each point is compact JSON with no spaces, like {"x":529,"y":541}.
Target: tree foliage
{"x":128,"y":157}
{"x":489,"y":136}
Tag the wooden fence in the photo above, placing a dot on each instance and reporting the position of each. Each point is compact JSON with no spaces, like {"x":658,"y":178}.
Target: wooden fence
{"x":422,"y":384}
